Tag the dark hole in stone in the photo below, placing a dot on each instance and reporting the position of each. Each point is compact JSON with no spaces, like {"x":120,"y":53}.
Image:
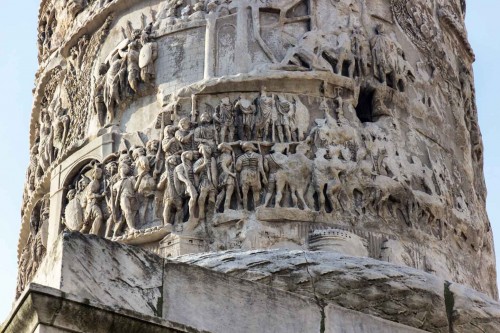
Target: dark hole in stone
{"x":364,"y":109}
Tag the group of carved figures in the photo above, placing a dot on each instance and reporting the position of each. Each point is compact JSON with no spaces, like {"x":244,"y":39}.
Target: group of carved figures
{"x":178,"y":11}
{"x":192,"y":173}
{"x":269,"y":118}
{"x":51,"y":136}
{"x":34,"y":249}
{"x":131,"y":63}
{"x":347,"y":51}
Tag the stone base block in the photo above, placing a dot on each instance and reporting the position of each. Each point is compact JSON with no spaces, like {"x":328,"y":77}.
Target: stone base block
{"x":175,"y":245}
{"x":94,"y":285}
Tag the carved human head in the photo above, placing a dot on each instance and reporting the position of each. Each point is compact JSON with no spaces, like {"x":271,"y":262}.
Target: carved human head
{"x":205,"y":150}
{"x":124,"y":169}
{"x":83,"y":183}
{"x":103,"y":69}
{"x":111,"y":168}
{"x":184,"y":123}
{"x":187,"y":156}
{"x":97,"y":172}
{"x":225,"y":101}
{"x":169,"y":131}
{"x":71,"y":194}
{"x":152,"y":146}
{"x":137,"y":152}
{"x":380,"y":29}
{"x":248,"y":147}
{"x":205,"y":118}
{"x":173,"y":160}
{"x":225,"y":148}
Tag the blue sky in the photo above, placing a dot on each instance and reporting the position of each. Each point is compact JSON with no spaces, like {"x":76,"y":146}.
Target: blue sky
{"x":18,"y":64}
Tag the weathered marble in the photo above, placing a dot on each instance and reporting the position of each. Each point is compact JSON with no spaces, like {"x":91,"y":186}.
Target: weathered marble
{"x":347,"y":127}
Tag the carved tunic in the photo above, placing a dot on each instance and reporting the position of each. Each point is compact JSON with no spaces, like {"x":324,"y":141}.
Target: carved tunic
{"x":249,"y":164}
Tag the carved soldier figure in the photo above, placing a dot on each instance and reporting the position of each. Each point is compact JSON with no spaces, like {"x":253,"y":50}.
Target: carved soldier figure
{"x":125,"y":198}
{"x":99,"y":102}
{"x":184,"y":134}
{"x":324,"y":174}
{"x":145,"y":185}
{"x":148,"y":55}
{"x":92,"y":220}
{"x":360,"y":50}
{"x":286,"y":114}
{"x":32,"y":176}
{"x":227,"y":176}
{"x":170,"y":145}
{"x":205,"y":170}
{"x":381,"y":46}
{"x":133,"y":69}
{"x":112,"y":176}
{"x":60,"y":129}
{"x":224,"y":116}
{"x":154,"y":157}
{"x":184,"y":176}
{"x":268,"y":116}
{"x":114,"y":84}
{"x":205,"y":133}
{"x":296,"y":175}
{"x":251,"y":169}
{"x":172,"y":200}
{"x":246,"y":122}
{"x":272,"y":163}
{"x":46,"y":150}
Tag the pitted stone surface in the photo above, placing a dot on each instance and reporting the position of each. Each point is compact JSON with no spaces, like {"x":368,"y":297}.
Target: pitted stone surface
{"x":385,"y":290}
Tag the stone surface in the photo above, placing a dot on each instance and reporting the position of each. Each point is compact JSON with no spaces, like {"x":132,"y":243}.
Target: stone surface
{"x":191,"y":126}
{"x":118,"y":276}
{"x":257,"y":131}
{"x":384,"y":290}
{"x":192,"y":299}
{"x":47,"y":310}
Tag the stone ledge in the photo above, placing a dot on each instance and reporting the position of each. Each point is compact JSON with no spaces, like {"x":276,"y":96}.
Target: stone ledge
{"x":396,"y":293}
{"x":253,"y":291}
{"x":41,"y":306}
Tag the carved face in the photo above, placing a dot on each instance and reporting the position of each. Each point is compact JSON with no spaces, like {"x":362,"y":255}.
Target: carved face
{"x":205,"y":151}
{"x":111,"y":168}
{"x":97,"y":173}
{"x":173,"y":160}
{"x":170,"y":131}
{"x":71,"y":195}
{"x":187,"y":156}
{"x":152,"y":147}
{"x":124,"y":170}
{"x":205,"y":118}
{"x":184,"y":123}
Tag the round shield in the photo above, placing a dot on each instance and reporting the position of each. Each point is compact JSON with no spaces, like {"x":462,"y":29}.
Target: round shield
{"x":74,"y":215}
{"x":146,"y":55}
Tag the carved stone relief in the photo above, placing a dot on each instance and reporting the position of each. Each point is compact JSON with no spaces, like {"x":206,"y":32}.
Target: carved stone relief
{"x":260,"y":124}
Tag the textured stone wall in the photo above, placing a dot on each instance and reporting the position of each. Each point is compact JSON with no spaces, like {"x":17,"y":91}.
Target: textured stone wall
{"x":187,"y":126}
